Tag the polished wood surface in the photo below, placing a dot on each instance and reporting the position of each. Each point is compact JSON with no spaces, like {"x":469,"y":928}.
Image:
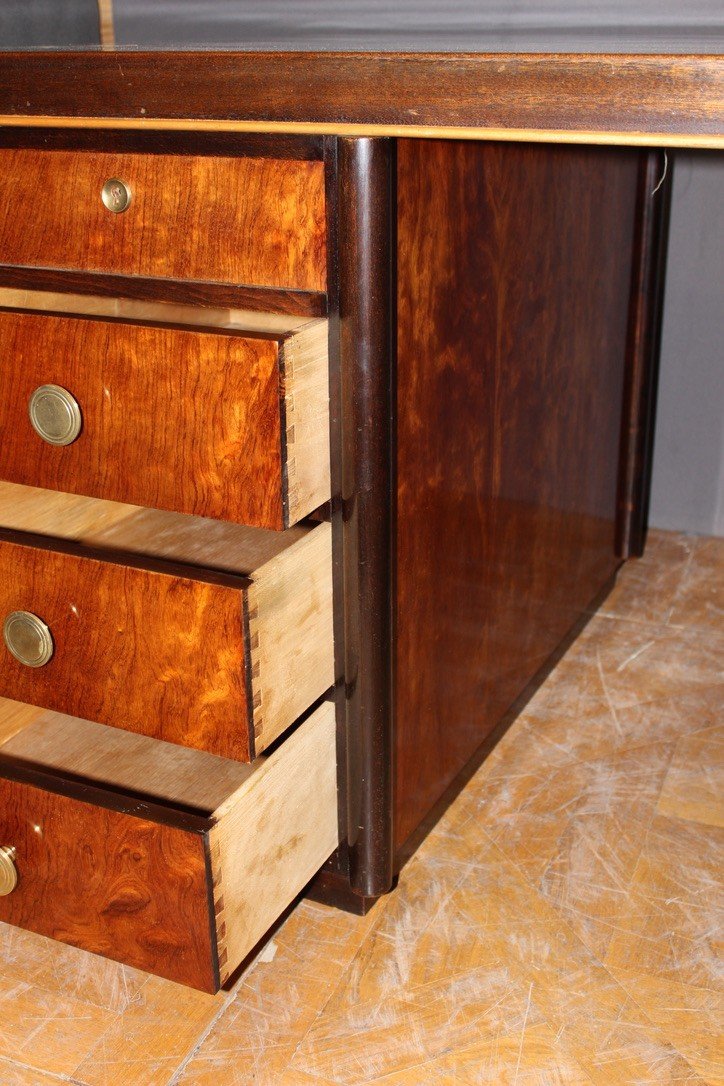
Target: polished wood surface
{"x":108,"y":882}
{"x":514,"y":276}
{"x":159,"y":653}
{"x":366,"y":213}
{"x":667,"y":100}
{"x":227,"y":426}
{"x":239,"y":220}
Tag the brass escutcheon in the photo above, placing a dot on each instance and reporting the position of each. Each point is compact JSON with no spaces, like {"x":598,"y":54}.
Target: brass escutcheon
{"x":116,"y":195}
{"x":28,"y":639}
{"x":55,"y":415}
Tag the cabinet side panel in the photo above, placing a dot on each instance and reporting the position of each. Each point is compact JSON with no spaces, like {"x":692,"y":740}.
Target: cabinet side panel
{"x":514,"y":279}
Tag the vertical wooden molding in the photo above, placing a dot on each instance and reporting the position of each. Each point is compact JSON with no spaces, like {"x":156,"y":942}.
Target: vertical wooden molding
{"x":644,"y":343}
{"x":366,"y":305}
{"x":105,"y":24}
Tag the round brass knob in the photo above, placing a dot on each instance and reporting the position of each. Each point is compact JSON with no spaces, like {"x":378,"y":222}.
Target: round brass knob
{"x":55,"y":415}
{"x":116,"y":195}
{"x":8,"y":871}
{"x":28,"y":638}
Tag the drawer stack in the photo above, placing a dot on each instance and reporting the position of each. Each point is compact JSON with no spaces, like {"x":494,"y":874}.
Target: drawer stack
{"x":166,"y":600}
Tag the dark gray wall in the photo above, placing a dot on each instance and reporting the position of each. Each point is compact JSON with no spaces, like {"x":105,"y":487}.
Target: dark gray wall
{"x":26,"y":23}
{"x":688,"y":478}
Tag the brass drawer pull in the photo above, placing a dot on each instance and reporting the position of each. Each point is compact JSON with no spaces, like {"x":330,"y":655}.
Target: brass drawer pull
{"x":28,"y":638}
{"x":116,"y":195}
{"x":55,"y":415}
{"x":8,"y":871}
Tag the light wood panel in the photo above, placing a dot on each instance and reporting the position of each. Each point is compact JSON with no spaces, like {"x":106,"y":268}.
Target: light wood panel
{"x":273,"y":834}
{"x":257,"y":221}
{"x":206,"y":316}
{"x":173,"y":418}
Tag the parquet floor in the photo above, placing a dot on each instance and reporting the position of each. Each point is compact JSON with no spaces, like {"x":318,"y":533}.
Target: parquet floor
{"x":561,"y":925}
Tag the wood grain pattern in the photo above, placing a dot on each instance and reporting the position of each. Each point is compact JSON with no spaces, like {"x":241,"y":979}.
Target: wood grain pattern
{"x":291,"y":637}
{"x":667,"y":99}
{"x":273,"y":834}
{"x":179,"y":629}
{"x":116,"y":885}
{"x":172,"y":418}
{"x":161,"y":654}
{"x":305,"y":369}
{"x":233,"y":220}
{"x":142,"y":883}
{"x":514,"y":275}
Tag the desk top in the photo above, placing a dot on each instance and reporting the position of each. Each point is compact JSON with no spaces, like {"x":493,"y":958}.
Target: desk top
{"x":646,"y":72}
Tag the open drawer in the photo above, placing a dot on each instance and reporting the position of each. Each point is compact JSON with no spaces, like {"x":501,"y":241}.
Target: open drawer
{"x":166,"y":859}
{"x":210,"y":635}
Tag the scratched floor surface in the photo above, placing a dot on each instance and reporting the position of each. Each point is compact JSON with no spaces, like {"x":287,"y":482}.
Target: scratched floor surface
{"x":559,"y":926}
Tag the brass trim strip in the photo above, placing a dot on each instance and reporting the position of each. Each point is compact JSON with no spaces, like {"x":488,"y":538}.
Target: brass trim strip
{"x":517,"y":135}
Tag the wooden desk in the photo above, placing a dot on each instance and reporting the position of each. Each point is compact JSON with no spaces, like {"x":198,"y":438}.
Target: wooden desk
{"x":494,"y":238}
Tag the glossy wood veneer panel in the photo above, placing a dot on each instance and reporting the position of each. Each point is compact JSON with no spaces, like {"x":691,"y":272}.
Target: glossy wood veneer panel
{"x":514,"y":275}
{"x":227,"y":426}
{"x":169,"y":649}
{"x":152,"y":652}
{"x":125,"y":887}
{"x":257,"y":221}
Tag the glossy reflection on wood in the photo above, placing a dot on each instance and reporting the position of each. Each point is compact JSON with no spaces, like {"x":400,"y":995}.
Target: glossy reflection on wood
{"x":514,"y":274}
{"x":227,"y":426}
{"x":121,"y":886}
{"x":232,"y":220}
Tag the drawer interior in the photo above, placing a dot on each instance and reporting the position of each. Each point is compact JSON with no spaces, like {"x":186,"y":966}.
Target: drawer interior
{"x":250,"y":837}
{"x":275,"y":589}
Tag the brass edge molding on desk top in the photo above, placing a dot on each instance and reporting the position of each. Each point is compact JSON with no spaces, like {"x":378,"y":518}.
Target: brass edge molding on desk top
{"x":674,"y":100}
{"x":518,"y":135}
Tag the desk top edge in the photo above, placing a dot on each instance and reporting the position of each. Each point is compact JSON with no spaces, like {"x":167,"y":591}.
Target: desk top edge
{"x":672,"y":100}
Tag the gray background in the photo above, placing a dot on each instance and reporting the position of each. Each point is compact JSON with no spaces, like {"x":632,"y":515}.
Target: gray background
{"x":688,"y":474}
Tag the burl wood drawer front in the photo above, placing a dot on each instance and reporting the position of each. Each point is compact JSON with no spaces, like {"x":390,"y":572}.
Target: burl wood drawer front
{"x":256,"y":221}
{"x":228,"y":426}
{"x":215,"y":661}
{"x":182,"y":895}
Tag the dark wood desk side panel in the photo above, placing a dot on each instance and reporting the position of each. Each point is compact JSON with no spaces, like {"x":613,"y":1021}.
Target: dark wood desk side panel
{"x":514,"y":267}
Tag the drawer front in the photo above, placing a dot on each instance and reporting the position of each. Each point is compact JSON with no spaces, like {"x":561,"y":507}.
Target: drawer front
{"x":211,"y":661}
{"x":224,"y":426}
{"x":184,"y":896}
{"x":126,"y":887}
{"x":254,"y":221}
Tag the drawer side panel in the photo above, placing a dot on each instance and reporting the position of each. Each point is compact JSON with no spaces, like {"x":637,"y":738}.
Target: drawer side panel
{"x":273,"y":835}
